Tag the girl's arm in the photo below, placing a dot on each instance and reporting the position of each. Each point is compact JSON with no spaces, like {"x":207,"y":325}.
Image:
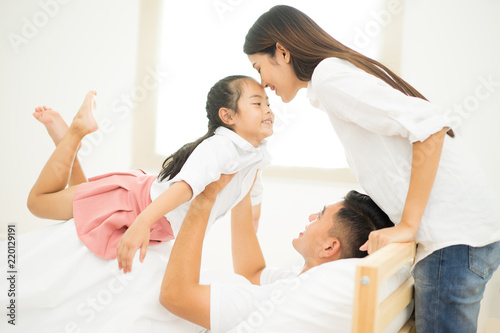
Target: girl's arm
{"x":181,"y":292}
{"x":425,"y":162}
{"x":139,"y":232}
{"x":248,"y":259}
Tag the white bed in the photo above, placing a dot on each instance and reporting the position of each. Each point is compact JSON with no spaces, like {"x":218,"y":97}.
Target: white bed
{"x":63,"y":287}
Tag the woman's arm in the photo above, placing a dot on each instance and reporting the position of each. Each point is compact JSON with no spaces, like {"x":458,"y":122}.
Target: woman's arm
{"x":425,"y":162}
{"x":181,"y":292}
{"x":139,"y":232}
{"x":248,"y":259}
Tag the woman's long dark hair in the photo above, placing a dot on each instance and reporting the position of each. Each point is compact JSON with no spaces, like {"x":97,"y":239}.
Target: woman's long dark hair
{"x":352,"y":224}
{"x":224,"y":94}
{"x":309,"y":44}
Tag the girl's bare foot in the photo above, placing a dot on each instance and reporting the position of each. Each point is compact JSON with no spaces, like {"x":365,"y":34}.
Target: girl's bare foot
{"x":53,"y":122}
{"x":84,"y":122}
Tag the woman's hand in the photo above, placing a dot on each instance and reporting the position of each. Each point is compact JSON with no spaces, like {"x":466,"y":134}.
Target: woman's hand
{"x":402,"y":233}
{"x":136,"y":236}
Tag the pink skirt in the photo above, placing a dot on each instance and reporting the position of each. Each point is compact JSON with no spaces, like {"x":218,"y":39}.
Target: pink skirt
{"x":107,"y":205}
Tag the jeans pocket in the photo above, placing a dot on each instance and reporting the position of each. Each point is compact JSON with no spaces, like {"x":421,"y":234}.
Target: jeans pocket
{"x":484,"y":261}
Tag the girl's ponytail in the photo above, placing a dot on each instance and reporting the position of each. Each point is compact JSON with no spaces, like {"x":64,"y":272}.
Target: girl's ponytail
{"x":224,"y":94}
{"x":174,"y":163}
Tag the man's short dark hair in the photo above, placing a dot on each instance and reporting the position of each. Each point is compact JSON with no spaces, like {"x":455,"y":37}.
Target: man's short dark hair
{"x":358,"y":216}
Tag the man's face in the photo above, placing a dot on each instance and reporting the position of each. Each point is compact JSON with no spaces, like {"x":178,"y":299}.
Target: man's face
{"x":315,"y":237}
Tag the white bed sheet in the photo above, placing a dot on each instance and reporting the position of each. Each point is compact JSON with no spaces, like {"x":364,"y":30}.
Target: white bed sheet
{"x":63,"y":287}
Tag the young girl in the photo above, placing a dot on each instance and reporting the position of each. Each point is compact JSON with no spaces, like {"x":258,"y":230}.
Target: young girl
{"x":400,"y":147}
{"x":117,"y":213}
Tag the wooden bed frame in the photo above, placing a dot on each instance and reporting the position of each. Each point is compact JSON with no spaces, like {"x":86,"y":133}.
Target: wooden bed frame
{"x":369,"y":316}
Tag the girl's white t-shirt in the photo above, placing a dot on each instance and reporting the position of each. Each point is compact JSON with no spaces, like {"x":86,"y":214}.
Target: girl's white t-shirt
{"x":224,"y":153}
{"x":377,"y":125}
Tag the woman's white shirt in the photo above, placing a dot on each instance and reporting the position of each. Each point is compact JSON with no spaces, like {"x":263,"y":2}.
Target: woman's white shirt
{"x":377,"y":125}
{"x":223,"y":153}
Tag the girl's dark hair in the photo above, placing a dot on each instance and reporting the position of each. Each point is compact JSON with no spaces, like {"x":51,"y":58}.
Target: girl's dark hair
{"x":224,"y":94}
{"x":352,"y":224}
{"x":309,"y":44}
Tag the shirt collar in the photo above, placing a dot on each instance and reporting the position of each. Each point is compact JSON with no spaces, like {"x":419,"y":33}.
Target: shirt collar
{"x":236,"y":139}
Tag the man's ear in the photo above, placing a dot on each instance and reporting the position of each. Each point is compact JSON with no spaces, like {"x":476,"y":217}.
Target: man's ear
{"x":227,"y":116}
{"x":331,"y":250}
{"x":282,"y":53}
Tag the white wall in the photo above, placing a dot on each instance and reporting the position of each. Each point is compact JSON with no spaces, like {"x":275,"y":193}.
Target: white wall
{"x":450,"y":49}
{"x":62,"y":52}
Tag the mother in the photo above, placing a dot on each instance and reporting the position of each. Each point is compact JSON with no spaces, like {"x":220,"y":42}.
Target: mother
{"x":404,"y":155}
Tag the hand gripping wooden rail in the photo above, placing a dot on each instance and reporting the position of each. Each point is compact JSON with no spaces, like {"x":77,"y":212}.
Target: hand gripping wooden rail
{"x":369,"y":315}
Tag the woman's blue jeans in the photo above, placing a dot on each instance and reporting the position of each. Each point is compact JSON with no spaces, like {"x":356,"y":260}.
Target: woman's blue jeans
{"x":449,"y":286}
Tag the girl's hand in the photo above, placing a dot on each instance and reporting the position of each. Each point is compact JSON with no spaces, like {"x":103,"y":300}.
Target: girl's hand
{"x":136,"y":236}
{"x":377,"y":239}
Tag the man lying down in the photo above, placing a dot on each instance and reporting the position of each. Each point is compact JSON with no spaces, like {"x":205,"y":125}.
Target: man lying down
{"x":63,"y":287}
{"x":319,"y":299}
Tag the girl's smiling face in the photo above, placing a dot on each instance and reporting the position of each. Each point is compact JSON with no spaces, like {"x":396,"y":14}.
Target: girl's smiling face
{"x":254,"y":119}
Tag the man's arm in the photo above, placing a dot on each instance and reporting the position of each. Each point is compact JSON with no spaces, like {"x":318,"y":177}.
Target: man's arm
{"x":248,"y":259}
{"x":181,"y":292}
{"x":256,"y":216}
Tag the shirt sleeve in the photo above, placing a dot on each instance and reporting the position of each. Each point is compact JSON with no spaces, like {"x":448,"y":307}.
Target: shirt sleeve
{"x":212,"y":157}
{"x":356,"y":96}
{"x":234,"y":300}
{"x":231,"y":305}
{"x":272,"y":274}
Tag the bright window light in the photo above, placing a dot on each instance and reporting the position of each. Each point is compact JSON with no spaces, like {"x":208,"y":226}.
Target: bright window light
{"x":202,"y":42}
